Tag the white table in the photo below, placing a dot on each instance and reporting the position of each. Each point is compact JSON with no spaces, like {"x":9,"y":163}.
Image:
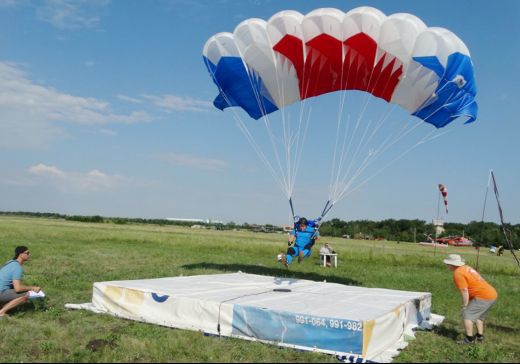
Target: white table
{"x":332,"y":255}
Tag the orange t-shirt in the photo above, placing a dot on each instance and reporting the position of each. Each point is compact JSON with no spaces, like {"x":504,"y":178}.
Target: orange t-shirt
{"x":467,"y":277}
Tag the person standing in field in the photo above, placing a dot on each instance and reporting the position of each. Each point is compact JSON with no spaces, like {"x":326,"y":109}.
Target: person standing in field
{"x":478,"y":296}
{"x":12,"y":291}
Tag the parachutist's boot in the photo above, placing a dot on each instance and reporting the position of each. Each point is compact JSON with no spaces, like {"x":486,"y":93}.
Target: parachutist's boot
{"x":300,"y":257}
{"x":284,"y":261}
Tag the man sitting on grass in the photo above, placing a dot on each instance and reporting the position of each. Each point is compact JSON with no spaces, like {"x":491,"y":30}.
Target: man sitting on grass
{"x":12,"y":292}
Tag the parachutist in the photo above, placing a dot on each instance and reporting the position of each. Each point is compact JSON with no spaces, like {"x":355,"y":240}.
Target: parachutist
{"x":426,"y":71}
{"x":303,"y":236}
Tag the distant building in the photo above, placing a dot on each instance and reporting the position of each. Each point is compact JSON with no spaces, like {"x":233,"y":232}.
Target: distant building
{"x":202,"y":221}
{"x":439,"y":226}
{"x":287,"y":228}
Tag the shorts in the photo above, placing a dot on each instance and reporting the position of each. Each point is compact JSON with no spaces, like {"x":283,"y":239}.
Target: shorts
{"x":8,"y":295}
{"x":477,"y":309}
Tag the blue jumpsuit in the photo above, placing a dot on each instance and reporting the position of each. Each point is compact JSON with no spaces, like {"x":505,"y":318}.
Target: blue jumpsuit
{"x":302,"y":243}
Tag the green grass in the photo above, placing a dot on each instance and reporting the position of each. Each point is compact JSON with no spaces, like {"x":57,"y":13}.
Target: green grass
{"x":67,"y":257}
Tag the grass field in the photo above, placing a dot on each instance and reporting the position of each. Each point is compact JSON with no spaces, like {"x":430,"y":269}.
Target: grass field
{"x":67,"y":257}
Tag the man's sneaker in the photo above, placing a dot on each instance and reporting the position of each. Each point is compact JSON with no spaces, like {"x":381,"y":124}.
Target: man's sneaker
{"x":283,"y":260}
{"x":467,"y":340}
{"x":479,"y":338}
{"x":300,"y":257}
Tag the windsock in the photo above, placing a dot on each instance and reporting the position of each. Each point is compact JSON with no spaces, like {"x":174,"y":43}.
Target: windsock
{"x":444,"y":192}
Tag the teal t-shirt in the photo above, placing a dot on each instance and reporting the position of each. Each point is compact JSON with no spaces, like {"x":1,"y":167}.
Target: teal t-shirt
{"x":10,"y":272}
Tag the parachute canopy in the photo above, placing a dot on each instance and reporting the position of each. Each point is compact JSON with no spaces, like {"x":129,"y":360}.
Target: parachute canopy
{"x":264,"y":66}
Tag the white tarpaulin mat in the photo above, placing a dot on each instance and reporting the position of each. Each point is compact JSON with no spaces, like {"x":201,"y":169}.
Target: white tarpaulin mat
{"x":355,"y":322}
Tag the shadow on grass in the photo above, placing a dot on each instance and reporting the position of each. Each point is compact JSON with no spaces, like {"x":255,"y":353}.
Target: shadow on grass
{"x":273,"y":272}
{"x":506,"y":329}
{"x":26,"y":307}
{"x":447,"y":332}
{"x":453,"y":334}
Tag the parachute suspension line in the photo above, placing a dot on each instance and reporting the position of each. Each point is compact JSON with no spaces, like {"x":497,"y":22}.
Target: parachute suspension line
{"x":276,"y":153}
{"x":335,"y":172}
{"x":333,"y":191}
{"x":345,"y":151}
{"x":357,"y":152}
{"x":344,"y":135}
{"x":398,"y":137}
{"x":482,"y":219}
{"x":343,"y":95}
{"x":384,"y":148}
{"x":293,"y":146}
{"x":402,"y":135}
{"x":287,"y":173}
{"x":279,"y":177}
{"x":286,"y":141}
{"x":504,"y":229}
{"x":243,"y":128}
{"x":373,"y":154}
{"x":281,"y":94}
{"x":427,"y":138}
{"x":265,"y":118}
{"x":364,"y":140}
{"x":272,"y":138}
{"x":334,"y":156}
{"x":245,"y":131}
{"x":300,"y":143}
{"x":381,"y":121}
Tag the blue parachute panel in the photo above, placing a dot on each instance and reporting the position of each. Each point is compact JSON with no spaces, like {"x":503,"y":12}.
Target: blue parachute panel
{"x":455,"y":94}
{"x":239,"y":88}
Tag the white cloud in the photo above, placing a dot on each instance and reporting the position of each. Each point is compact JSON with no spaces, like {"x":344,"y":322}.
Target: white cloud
{"x":179,"y":103}
{"x":190,"y":161}
{"x":42,"y":169}
{"x":94,"y":180}
{"x":170,"y":102}
{"x":72,"y":14}
{"x":32,"y":115}
{"x":129,"y":99}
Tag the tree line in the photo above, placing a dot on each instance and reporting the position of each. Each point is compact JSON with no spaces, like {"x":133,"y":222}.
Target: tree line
{"x":482,"y":233}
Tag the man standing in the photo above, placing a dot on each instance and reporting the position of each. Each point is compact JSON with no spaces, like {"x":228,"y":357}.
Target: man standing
{"x":12,"y":291}
{"x":478,"y":296}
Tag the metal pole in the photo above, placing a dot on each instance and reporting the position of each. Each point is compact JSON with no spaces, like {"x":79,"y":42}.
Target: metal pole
{"x":435,"y":225}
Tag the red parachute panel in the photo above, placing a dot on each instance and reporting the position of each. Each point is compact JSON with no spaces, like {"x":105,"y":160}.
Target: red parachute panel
{"x":331,"y":65}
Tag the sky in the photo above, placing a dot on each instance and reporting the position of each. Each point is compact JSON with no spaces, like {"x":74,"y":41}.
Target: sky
{"x":106,"y":109}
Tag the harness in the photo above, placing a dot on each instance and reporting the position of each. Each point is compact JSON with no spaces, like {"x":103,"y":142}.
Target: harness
{"x":314,"y":224}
